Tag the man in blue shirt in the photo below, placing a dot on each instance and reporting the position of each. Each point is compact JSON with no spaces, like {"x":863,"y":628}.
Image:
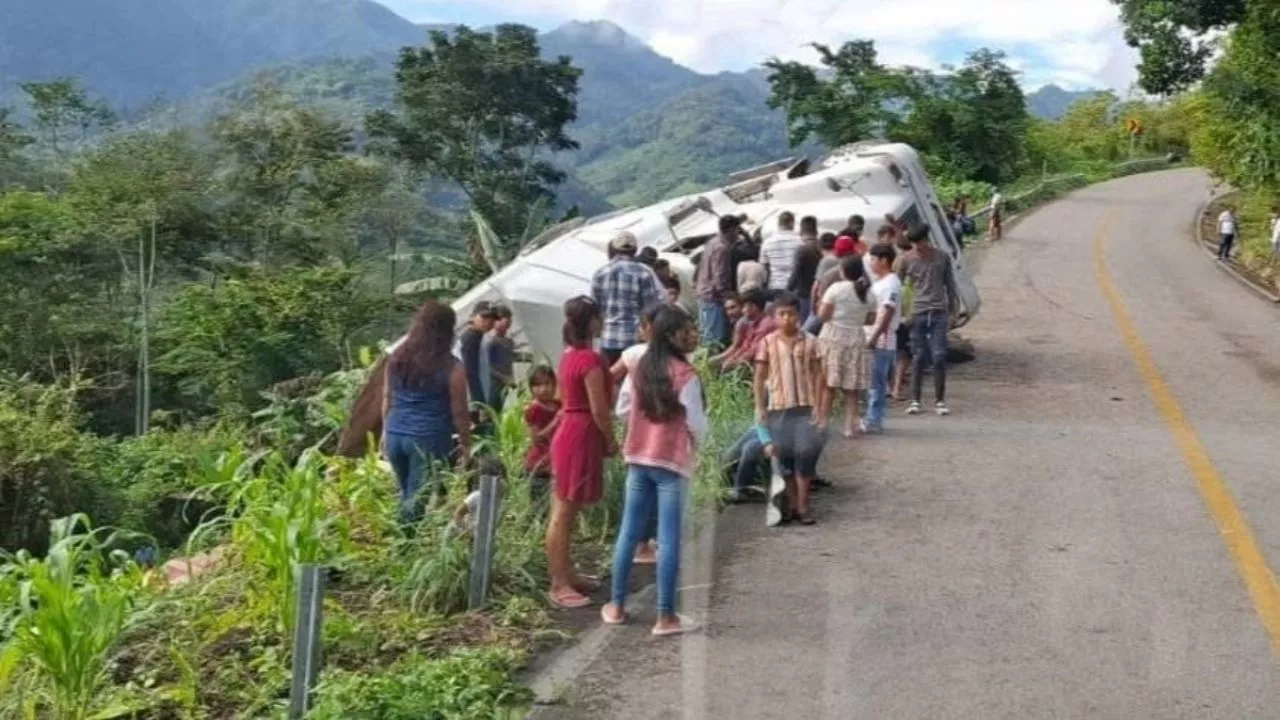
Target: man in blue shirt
{"x":623,"y":289}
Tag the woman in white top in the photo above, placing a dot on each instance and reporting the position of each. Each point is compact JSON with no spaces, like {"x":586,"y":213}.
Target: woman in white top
{"x":843,"y":310}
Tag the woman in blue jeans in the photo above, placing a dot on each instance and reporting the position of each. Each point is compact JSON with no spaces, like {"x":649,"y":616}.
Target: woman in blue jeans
{"x":424,"y":402}
{"x":663,"y":407}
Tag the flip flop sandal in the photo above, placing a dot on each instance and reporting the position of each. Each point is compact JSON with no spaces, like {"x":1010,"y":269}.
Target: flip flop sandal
{"x":621,"y":619}
{"x":569,"y":599}
{"x":687,"y":625}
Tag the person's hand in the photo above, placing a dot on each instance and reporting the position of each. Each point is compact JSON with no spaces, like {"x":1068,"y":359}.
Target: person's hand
{"x":818,"y":419}
{"x":769,"y":451}
{"x":611,"y":447}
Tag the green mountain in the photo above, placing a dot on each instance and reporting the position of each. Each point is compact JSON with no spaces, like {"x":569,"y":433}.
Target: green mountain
{"x":1051,"y":102}
{"x":134,"y":51}
{"x":621,"y":76}
{"x":694,"y":140}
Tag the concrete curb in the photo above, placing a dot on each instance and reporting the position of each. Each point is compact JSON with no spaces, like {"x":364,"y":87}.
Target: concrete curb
{"x":1197,"y":236}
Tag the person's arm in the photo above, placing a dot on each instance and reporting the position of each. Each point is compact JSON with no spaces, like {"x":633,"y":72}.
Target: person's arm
{"x":739,"y":339}
{"x":623,"y":407}
{"x":818,"y":387}
{"x":597,"y":286}
{"x":598,"y":399}
{"x":764,"y":262}
{"x":758,"y":385}
{"x":953,"y":295}
{"x":618,"y":372}
{"x":695,"y":415}
{"x":459,"y":397}
{"x":386,"y":407}
{"x":827,"y":310}
{"x":883,"y":318}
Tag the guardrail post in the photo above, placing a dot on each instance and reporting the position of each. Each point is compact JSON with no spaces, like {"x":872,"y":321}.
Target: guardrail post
{"x":484,"y":546}
{"x":307,"y":639}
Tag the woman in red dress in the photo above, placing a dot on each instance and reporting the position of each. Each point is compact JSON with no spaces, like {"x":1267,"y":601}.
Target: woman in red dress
{"x":583,"y":439}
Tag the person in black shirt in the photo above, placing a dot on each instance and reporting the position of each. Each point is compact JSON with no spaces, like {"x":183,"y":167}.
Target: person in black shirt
{"x":469,"y":340}
{"x":804,"y":269}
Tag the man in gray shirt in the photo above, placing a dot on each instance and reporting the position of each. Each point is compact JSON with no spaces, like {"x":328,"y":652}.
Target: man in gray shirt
{"x":928,"y":271}
{"x":715,"y":279}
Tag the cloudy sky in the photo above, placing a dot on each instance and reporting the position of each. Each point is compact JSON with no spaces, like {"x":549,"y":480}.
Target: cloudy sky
{"x":1074,"y":43}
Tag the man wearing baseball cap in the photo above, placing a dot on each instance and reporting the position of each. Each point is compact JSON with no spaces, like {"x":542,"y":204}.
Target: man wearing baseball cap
{"x":469,"y":340}
{"x":622,"y":289}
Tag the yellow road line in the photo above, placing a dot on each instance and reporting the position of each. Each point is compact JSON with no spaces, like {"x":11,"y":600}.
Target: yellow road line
{"x":1248,"y":557}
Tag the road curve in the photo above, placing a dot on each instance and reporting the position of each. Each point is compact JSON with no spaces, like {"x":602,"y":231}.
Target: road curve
{"x":1057,"y":548}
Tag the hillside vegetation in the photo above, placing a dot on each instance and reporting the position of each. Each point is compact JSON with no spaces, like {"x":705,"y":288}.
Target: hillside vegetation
{"x":187,"y":310}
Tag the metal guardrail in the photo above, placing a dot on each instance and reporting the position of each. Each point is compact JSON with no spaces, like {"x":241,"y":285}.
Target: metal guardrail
{"x":1129,"y":167}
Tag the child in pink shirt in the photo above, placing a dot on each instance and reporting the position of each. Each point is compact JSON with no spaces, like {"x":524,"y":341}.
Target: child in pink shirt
{"x":662,"y":404}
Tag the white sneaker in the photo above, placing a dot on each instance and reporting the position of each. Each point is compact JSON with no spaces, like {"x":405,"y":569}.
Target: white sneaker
{"x":913,"y":408}
{"x":941,"y":409}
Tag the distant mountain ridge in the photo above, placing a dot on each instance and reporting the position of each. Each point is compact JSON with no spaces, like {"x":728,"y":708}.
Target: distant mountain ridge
{"x":649,"y":127}
{"x":1052,"y":102}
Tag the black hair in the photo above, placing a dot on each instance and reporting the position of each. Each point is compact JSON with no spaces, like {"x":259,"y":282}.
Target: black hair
{"x":786,"y":299}
{"x":809,"y":224}
{"x":787,"y":219}
{"x":857,"y":221}
{"x":731,"y":295}
{"x":851,"y":267}
{"x":884,"y":251}
{"x":501,"y":311}
{"x":656,"y":394}
{"x":428,"y":350}
{"x":919,"y":233}
{"x":827,"y":241}
{"x":579,"y":313}
{"x":542,"y":375}
{"x":754,"y":296}
{"x":671,"y":282}
{"x":728,"y":223}
{"x":647,"y":255}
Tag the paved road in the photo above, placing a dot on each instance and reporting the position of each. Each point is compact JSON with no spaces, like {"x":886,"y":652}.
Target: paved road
{"x":1046,"y":551}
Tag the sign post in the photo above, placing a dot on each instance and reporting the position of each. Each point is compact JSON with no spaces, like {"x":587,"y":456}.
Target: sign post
{"x":482,"y":550}
{"x":307,"y":639}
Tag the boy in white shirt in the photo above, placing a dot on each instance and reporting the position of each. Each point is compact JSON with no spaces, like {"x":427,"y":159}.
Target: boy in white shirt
{"x":1226,"y":232}
{"x":886,"y":290}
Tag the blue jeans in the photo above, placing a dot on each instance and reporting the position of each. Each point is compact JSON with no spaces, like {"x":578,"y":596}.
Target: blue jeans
{"x":647,"y":487}
{"x":929,"y":339}
{"x":746,"y":453}
{"x":881,"y":368}
{"x":714,"y":323}
{"x":412,"y":457}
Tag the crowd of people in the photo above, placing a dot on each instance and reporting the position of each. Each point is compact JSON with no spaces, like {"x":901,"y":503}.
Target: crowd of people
{"x":805,"y":319}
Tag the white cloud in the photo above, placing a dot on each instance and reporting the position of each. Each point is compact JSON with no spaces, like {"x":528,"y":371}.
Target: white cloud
{"x":1077,"y":42}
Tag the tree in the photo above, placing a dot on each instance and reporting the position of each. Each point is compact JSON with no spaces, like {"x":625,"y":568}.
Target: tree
{"x":973,"y":121}
{"x":12,"y":141}
{"x":290,"y":184}
{"x":479,"y":110}
{"x":64,"y":112}
{"x":854,"y":104}
{"x":1171,"y":37}
{"x":140,"y":195}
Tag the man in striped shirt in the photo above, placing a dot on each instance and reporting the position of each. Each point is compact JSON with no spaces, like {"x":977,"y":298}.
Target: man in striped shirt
{"x":788,"y":386}
{"x":778,"y":252}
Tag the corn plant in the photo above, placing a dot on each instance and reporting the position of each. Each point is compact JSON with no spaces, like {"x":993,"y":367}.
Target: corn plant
{"x":279,"y":520}
{"x":66,"y":613}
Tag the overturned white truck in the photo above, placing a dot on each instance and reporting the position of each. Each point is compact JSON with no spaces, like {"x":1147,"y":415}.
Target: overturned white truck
{"x":869,"y":179}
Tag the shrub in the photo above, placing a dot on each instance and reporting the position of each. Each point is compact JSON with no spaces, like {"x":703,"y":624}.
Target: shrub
{"x":468,"y":685}
{"x":46,"y":463}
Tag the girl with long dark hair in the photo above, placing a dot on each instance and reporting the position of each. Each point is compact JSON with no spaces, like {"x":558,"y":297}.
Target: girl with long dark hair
{"x":663,"y":407}
{"x":424,"y":403}
{"x":583,"y":439}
